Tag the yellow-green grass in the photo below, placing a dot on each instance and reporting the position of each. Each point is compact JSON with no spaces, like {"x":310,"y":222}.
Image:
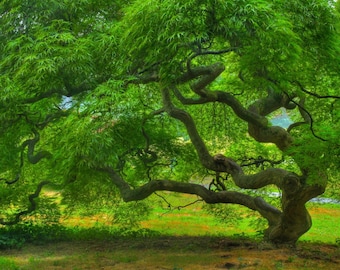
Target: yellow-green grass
{"x":326,"y":223}
{"x":202,"y":249}
{"x":192,"y":220}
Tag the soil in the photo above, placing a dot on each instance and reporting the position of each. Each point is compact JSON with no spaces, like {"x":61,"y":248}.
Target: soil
{"x":174,"y":253}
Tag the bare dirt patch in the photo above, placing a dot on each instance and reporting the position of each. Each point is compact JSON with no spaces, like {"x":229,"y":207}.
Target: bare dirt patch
{"x":174,"y":253}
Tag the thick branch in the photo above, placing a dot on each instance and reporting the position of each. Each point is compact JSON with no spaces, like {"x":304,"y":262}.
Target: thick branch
{"x":196,"y":72}
{"x":240,"y":110}
{"x":226,"y":98}
{"x":290,"y":183}
{"x":271,"y":176}
{"x":258,"y":126}
{"x":142,"y":192}
{"x":199,"y":86}
{"x":191,"y":101}
{"x":270,"y":134}
{"x":202,"y":151}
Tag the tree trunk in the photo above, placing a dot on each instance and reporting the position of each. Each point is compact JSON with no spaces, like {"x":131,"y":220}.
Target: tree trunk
{"x":295,"y":219}
{"x":292,"y":224}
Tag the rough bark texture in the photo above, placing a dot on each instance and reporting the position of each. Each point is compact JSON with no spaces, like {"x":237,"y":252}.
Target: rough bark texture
{"x":288,"y":225}
{"x":285,"y":225}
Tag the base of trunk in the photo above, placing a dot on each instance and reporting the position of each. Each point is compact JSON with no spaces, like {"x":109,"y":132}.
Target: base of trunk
{"x":291,"y":226}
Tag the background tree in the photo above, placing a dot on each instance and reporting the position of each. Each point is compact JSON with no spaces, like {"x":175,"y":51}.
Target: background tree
{"x":106,"y":97}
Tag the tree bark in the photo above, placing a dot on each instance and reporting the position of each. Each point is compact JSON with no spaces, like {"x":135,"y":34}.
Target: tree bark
{"x":293,"y":220}
{"x":285,"y":225}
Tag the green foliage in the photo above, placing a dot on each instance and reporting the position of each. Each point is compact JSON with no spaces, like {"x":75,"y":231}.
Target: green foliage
{"x":8,"y":242}
{"x":311,"y":156}
{"x":129,"y":215}
{"x":171,"y":30}
{"x":226,"y":214}
{"x":73,"y":82}
{"x":38,"y":233}
{"x":30,"y":232}
{"x":7,"y":264}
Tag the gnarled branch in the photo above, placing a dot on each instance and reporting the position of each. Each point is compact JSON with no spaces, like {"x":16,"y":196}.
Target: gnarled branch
{"x":128,"y":194}
{"x":266,"y":133}
{"x":34,"y":158}
{"x":183,"y":116}
{"x":32,"y":207}
{"x":208,"y":52}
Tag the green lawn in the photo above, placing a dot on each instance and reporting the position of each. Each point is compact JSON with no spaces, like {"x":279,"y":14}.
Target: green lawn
{"x":194,"y":221}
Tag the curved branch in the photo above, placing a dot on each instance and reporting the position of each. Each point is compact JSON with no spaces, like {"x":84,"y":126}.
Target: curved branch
{"x":207,"y":52}
{"x":10,"y":182}
{"x":31,"y":143}
{"x":266,"y":133}
{"x":199,"y":86}
{"x":128,"y":194}
{"x":228,"y":99}
{"x":246,"y":115}
{"x":206,"y":75}
{"x":264,"y":178}
{"x":32,"y":207}
{"x":52,"y":117}
{"x":191,"y":101}
{"x":17,"y":177}
{"x":183,"y":116}
{"x":196,"y":72}
{"x":34,"y":158}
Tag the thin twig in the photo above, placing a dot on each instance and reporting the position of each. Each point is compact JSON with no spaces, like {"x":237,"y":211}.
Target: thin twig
{"x":314,"y":94}
{"x":309,"y":115}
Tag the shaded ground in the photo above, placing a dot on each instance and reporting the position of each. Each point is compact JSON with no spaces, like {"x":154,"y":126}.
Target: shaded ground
{"x":170,"y":253}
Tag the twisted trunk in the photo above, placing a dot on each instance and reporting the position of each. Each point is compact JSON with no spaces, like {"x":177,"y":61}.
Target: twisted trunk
{"x":289,"y":224}
{"x":285,"y":225}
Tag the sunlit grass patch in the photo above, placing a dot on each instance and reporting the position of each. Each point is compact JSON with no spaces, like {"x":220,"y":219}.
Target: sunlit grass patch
{"x":170,"y":217}
{"x":8,"y":264}
{"x":326,"y":220}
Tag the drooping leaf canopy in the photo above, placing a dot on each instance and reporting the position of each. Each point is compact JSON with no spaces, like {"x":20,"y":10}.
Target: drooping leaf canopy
{"x":96,"y":93}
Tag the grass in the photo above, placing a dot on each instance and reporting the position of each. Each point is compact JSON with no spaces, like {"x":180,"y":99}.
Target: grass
{"x":194,"y":221}
{"x":326,"y":220}
{"x":8,"y":264}
{"x":176,"y":238}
